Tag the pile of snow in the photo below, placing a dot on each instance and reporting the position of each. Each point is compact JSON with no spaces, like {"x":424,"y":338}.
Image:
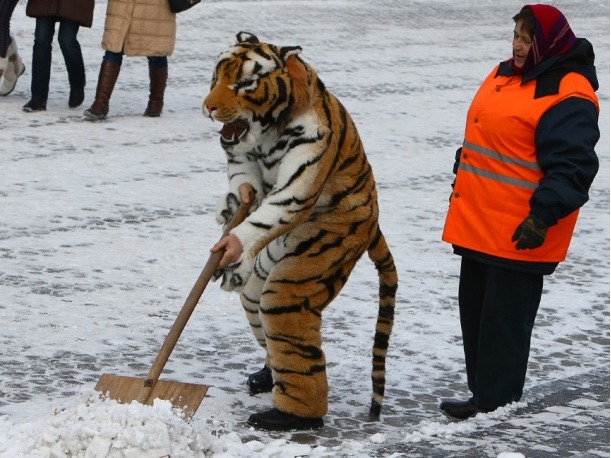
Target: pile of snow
{"x":102,"y":428}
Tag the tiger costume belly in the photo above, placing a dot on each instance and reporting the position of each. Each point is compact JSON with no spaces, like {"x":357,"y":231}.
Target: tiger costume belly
{"x":316,"y":214}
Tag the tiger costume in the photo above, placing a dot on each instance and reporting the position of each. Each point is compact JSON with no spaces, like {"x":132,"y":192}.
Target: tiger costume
{"x":316,"y":214}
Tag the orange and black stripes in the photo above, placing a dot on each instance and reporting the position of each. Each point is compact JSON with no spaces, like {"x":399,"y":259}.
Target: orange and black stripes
{"x":317,"y":215}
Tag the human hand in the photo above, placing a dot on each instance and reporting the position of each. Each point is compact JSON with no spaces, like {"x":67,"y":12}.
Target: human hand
{"x":247,"y":192}
{"x":233,"y":249}
{"x":230,"y":265}
{"x":234,"y":268}
{"x":530,"y":233}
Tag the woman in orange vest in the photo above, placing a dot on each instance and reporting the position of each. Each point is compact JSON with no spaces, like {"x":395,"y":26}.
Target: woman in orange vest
{"x":522,"y":173}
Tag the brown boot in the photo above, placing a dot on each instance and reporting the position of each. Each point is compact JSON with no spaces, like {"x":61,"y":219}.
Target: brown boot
{"x":109,"y":73}
{"x":158,"y":77}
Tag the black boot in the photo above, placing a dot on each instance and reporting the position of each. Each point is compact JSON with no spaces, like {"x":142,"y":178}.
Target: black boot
{"x":274,"y":420}
{"x":260,"y":381}
{"x":460,"y":410}
{"x":77,"y":95}
{"x":35,"y":105}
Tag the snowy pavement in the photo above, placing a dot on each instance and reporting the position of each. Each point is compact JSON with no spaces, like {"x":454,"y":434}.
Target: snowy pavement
{"x":105,"y":226}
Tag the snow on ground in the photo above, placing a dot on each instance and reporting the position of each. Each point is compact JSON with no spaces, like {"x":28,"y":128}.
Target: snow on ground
{"x":105,"y":227}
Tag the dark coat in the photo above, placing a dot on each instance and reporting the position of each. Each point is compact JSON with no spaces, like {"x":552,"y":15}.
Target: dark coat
{"x":80,"y":11}
{"x":565,"y":147}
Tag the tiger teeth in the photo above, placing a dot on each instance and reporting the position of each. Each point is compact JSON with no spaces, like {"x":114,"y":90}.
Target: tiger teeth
{"x":232,"y":132}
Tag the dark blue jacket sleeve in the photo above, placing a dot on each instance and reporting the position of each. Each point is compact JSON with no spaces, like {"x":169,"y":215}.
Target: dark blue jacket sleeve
{"x":565,"y":139}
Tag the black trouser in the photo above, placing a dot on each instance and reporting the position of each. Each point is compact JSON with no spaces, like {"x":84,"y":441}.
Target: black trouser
{"x":6,"y":11}
{"x":41,"y":54}
{"x":498,"y":307}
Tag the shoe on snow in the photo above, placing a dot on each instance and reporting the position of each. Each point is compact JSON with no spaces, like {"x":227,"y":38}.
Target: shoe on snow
{"x":35,"y":105}
{"x":261,"y":381}
{"x":275,"y":420}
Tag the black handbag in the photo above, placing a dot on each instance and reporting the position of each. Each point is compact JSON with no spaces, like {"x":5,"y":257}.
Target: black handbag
{"x":178,"y":6}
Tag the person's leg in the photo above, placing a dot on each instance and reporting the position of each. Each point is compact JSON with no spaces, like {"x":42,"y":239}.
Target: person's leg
{"x":73,"y":57}
{"x":471,"y":291}
{"x":109,"y":72}
{"x":113,"y":57}
{"x":158,"y":76}
{"x":11,"y":66}
{"x":508,"y":317}
{"x":260,"y":381}
{"x":6,"y":12}
{"x":41,"y":63}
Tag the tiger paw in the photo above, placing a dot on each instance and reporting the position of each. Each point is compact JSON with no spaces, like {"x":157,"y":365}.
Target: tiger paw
{"x":235,"y":276}
{"x":226,"y":208}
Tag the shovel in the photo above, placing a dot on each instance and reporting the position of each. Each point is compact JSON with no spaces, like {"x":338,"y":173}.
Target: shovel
{"x":186,"y":396}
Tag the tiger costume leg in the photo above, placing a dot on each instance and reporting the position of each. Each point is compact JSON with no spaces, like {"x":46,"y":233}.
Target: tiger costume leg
{"x":290,"y":306}
{"x":261,"y":381}
{"x":285,"y":307}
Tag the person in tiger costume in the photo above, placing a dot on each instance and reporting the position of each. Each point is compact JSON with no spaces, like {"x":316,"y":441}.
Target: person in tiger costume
{"x":294,"y":147}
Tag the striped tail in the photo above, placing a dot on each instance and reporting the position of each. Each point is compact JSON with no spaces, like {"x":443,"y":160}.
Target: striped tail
{"x":387,"y":273}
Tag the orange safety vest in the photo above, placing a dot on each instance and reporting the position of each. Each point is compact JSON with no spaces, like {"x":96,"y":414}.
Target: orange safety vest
{"x":498,"y":169}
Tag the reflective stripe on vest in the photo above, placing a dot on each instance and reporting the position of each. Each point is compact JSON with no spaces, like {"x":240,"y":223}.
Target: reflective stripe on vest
{"x":498,"y":176}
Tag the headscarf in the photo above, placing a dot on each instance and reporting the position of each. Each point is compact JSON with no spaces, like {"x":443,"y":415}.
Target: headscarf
{"x":553,"y":35}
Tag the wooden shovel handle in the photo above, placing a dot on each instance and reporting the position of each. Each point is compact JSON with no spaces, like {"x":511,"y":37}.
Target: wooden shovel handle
{"x":187,"y":309}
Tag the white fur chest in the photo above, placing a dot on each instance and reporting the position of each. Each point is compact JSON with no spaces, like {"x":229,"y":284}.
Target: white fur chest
{"x":280,"y":154}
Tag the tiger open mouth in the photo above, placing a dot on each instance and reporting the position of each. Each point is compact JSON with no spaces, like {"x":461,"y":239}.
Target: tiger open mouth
{"x":232,"y":132}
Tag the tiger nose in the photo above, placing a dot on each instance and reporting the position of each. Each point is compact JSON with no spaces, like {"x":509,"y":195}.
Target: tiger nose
{"x":208,"y":109}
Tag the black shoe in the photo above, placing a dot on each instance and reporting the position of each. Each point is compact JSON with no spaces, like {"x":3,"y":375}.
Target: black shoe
{"x":35,"y":105}
{"x":77,"y":95}
{"x":274,"y":420}
{"x":261,"y":381}
{"x":459,"y":410}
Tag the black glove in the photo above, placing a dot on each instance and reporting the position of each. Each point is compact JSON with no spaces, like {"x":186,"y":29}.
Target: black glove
{"x":530,"y":233}
{"x":457,"y":160}
{"x":455,"y":169}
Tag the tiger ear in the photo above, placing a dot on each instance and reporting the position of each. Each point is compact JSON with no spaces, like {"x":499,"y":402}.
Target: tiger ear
{"x":246,"y":37}
{"x":302,"y":78}
{"x":288,"y":51}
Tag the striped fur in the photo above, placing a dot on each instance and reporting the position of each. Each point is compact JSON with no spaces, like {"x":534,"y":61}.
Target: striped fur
{"x":316,"y":214}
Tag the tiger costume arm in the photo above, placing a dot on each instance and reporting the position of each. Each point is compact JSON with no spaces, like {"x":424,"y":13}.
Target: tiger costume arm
{"x":241,"y":169}
{"x":302,"y":173}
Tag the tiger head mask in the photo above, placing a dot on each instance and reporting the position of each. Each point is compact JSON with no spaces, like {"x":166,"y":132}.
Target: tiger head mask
{"x":256,"y":87}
